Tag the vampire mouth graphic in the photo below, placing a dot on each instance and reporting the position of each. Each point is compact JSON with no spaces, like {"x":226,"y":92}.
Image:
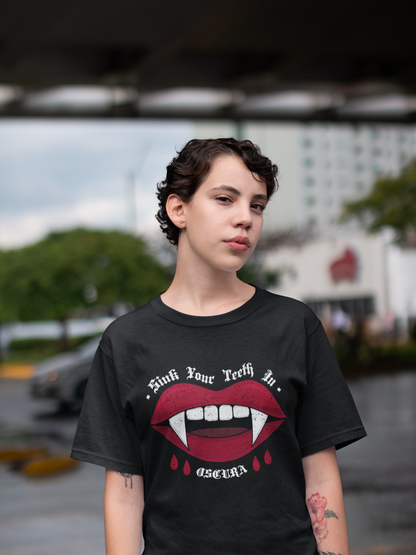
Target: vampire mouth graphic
{"x":217,"y":426}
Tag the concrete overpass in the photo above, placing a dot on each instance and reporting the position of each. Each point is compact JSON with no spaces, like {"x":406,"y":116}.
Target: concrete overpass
{"x":236,"y":59}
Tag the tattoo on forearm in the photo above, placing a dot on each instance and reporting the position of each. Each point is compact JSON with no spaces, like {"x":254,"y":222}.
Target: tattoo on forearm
{"x":328,"y":553}
{"x":319,"y":515}
{"x":126,"y":477}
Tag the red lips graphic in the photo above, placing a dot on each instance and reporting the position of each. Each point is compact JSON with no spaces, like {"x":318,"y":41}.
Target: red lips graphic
{"x":217,"y":426}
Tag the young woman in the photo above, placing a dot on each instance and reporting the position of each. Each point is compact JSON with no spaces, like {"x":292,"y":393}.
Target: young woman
{"x":217,"y":407}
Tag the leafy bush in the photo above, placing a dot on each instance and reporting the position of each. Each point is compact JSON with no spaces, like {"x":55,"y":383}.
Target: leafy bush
{"x":33,"y":350}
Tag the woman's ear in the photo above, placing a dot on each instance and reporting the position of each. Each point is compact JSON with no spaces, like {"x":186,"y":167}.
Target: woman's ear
{"x":175,"y":209}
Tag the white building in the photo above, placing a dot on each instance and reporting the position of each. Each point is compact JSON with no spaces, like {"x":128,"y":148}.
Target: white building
{"x":320,"y":167}
{"x":323,"y":165}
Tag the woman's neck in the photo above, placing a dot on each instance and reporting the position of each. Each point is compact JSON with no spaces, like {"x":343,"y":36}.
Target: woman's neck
{"x":202,"y":295}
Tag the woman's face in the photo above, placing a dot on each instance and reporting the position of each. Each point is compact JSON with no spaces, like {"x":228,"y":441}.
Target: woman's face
{"x":224,"y":218}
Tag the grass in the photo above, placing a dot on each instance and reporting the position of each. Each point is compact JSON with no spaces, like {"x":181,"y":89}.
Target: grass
{"x":380,"y":360}
{"x":30,"y":351}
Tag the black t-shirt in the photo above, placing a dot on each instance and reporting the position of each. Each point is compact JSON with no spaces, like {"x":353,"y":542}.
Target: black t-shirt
{"x":216,"y":413}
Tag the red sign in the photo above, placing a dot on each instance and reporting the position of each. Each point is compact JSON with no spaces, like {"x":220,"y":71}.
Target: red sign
{"x":345,"y":267}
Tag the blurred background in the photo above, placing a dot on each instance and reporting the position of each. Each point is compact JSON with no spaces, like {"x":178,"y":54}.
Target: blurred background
{"x":95,"y":99}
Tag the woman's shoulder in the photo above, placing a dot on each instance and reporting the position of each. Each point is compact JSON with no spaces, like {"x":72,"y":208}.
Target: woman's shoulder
{"x":129,"y":326}
{"x":291,"y":310}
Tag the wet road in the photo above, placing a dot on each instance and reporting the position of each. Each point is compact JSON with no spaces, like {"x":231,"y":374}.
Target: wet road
{"x":379,"y":472}
{"x":62,"y":514}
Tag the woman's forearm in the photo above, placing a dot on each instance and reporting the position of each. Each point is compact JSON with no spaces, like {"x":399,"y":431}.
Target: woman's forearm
{"x":325,"y":502}
{"x":123,"y":511}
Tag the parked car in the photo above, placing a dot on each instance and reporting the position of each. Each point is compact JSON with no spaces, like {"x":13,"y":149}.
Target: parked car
{"x":64,"y":377}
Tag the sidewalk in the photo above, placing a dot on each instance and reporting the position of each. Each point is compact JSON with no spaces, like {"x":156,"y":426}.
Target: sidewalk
{"x":55,"y":515}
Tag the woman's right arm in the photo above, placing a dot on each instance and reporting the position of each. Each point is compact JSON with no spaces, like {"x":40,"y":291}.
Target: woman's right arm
{"x":123,"y":511}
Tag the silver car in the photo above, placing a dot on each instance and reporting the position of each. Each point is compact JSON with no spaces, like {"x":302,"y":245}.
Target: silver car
{"x":64,"y":377}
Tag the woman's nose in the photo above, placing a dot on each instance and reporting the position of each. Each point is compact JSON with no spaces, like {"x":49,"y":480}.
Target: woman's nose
{"x":243,"y":217}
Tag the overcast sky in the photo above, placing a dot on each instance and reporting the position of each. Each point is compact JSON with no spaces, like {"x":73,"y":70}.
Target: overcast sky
{"x":57,"y":175}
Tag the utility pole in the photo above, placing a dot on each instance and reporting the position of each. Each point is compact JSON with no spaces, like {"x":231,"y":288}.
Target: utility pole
{"x":131,"y":191}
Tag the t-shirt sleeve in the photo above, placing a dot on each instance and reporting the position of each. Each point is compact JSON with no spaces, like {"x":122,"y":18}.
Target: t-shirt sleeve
{"x":106,"y":435}
{"x":327,"y":414}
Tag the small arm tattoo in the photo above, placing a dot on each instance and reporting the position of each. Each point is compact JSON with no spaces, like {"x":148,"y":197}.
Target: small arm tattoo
{"x":126,"y":477}
{"x":328,"y":553}
{"x":319,"y":515}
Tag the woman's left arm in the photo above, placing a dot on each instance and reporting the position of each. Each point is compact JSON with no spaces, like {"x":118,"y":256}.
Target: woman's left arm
{"x":325,"y":502}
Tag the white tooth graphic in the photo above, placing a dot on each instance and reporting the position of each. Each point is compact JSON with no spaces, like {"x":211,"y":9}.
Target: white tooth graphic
{"x":226,"y":412}
{"x":195,"y":414}
{"x":211,"y":413}
{"x":177,"y":423}
{"x":240,"y":411}
{"x":258,"y":420}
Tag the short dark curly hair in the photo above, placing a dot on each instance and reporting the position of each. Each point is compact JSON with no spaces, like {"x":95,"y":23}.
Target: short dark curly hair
{"x":187,"y":171}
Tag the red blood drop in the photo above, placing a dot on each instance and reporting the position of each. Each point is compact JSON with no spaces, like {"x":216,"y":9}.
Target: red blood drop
{"x":267,"y":457}
{"x":174,"y":463}
{"x":256,"y":464}
{"x":186,"y":468}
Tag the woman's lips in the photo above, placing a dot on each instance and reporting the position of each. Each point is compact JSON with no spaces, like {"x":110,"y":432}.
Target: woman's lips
{"x":234,"y":437}
{"x":237,"y":246}
{"x":238,"y":243}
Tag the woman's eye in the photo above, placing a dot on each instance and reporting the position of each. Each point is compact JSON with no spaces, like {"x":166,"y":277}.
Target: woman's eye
{"x":224,"y":199}
{"x":258,"y":207}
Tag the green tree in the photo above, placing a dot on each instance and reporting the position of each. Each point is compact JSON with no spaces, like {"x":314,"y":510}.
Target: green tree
{"x":391,"y":203}
{"x":74,"y":270}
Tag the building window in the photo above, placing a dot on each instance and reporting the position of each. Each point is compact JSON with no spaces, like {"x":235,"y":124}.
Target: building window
{"x":309,"y":181}
{"x":308,"y":162}
{"x":356,"y":307}
{"x":310,"y":201}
